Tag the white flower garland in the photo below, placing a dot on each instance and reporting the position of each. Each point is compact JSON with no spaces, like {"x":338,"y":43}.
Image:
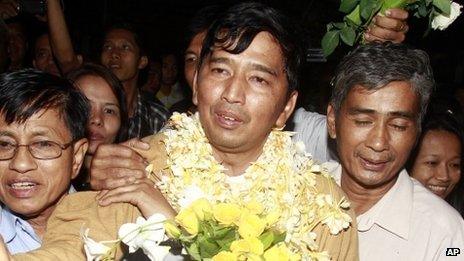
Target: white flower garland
{"x":282,"y":180}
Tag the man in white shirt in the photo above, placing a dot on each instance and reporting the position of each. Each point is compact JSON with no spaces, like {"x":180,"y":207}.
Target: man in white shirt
{"x":380,"y":95}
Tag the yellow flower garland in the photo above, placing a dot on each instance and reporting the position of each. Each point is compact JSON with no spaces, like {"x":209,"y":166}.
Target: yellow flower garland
{"x":282,"y":180}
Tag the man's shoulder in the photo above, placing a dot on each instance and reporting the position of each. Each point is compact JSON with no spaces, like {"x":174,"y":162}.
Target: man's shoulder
{"x":302,"y":118}
{"x":84,"y":205}
{"x":77,"y":201}
{"x":326,"y":184}
{"x":431,"y":208}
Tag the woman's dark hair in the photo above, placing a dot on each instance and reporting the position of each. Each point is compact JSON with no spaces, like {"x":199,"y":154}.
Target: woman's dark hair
{"x":235,"y":29}
{"x":25,"y":92}
{"x":444,"y":114}
{"x":116,"y":87}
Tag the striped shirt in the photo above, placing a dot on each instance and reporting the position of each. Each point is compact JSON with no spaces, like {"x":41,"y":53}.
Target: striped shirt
{"x":148,"y":119}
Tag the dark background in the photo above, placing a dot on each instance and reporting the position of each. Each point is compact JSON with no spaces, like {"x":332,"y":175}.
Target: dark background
{"x":163,"y":23}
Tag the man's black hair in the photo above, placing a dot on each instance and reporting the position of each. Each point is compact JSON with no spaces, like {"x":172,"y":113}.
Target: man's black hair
{"x":375,"y":65}
{"x":235,"y":29}
{"x":26,"y":92}
{"x":201,"y":21}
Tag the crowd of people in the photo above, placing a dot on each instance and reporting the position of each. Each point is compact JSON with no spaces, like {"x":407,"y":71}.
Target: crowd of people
{"x":76,"y":137}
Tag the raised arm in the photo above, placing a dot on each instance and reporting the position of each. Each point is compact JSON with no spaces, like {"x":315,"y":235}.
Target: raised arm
{"x":60,"y":39}
{"x":392,"y":27}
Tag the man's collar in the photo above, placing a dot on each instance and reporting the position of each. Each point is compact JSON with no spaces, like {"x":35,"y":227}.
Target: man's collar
{"x":393,"y":212}
{"x":8,"y":223}
{"x":396,"y":214}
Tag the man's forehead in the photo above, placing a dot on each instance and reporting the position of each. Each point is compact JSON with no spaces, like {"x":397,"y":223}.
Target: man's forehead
{"x":394,"y":98}
{"x":263,"y":47}
{"x":120,"y":35}
{"x":43,"y":122}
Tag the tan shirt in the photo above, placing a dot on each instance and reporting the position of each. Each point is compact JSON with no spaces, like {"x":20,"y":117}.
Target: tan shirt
{"x":75,"y":212}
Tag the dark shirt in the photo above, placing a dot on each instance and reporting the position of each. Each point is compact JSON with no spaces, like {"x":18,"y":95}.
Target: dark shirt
{"x":149,"y":117}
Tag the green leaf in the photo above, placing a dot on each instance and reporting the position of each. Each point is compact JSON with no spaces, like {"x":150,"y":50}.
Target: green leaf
{"x":206,"y":228}
{"x":267,"y":238}
{"x":346,"y":6}
{"x":208,"y":248}
{"x":348,"y":35}
{"x":367,"y":8}
{"x":330,"y":41}
{"x":339,"y":25}
{"x":355,"y":16}
{"x":279,"y":238}
{"x":227,"y":239}
{"x":193,"y":251}
{"x":443,"y":5}
{"x":422,"y":10}
{"x":388,"y":4}
{"x":220,"y":233}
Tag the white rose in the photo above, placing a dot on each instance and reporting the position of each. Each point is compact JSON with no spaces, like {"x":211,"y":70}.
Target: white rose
{"x":441,"y":22}
{"x":146,"y":234}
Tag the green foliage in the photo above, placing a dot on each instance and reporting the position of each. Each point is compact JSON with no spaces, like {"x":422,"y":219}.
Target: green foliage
{"x":354,"y":17}
{"x":359,"y":14}
{"x":330,"y":41}
{"x":368,"y":8}
{"x":346,"y":6}
{"x":443,"y":5}
{"x":213,"y":238}
{"x":348,"y":35}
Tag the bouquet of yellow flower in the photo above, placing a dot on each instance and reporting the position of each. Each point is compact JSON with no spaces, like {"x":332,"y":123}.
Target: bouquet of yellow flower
{"x":359,"y":15}
{"x":228,"y":231}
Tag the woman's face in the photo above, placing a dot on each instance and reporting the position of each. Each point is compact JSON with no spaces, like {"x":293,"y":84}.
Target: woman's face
{"x":105,"y":117}
{"x":438,"y":163}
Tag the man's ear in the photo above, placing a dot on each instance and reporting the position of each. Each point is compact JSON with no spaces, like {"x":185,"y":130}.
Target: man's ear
{"x":331,"y":118}
{"x":288,"y":110}
{"x":80,"y":148}
{"x":143,"y":62}
{"x":195,"y":88}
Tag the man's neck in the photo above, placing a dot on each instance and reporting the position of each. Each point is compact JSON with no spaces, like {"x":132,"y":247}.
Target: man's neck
{"x":39,"y":223}
{"x":131,"y":91}
{"x":237,"y":163}
{"x":362,"y":199}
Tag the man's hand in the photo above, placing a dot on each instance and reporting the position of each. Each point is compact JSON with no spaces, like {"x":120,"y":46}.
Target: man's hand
{"x":116,"y":165}
{"x":391,"y":27}
{"x":8,"y":9}
{"x":143,"y":194}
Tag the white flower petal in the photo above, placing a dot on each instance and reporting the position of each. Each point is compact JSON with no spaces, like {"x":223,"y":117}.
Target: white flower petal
{"x":93,"y":250}
{"x":442,"y":22}
{"x":189,"y":195}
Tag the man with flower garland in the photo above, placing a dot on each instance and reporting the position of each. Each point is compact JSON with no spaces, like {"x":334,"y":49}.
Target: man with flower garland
{"x":233,"y":151}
